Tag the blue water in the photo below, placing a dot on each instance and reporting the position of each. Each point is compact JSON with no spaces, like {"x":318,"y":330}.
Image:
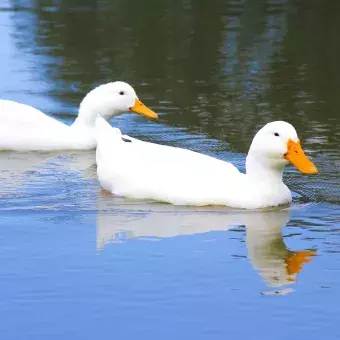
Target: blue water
{"x":77,"y":263}
{"x":56,"y":284}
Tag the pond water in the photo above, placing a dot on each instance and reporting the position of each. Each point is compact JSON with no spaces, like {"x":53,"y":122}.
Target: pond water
{"x":77,"y":263}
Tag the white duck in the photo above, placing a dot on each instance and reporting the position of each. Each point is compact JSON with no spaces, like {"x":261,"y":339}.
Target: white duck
{"x":23,"y":127}
{"x":139,"y":169}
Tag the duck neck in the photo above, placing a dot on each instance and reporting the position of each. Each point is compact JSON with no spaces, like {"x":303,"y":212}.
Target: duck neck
{"x":90,"y":107}
{"x":263,"y":170}
{"x":86,"y":117}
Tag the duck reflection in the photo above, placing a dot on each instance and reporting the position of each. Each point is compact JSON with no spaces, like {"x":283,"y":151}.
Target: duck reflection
{"x":267,"y":251}
{"x":120,"y":219}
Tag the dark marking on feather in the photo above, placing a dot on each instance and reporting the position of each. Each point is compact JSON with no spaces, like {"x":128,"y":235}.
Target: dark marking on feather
{"x":126,"y":140}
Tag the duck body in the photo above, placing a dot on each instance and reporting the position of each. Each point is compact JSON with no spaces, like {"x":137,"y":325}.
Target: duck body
{"x":139,"y":169}
{"x":222,"y":185}
{"x":24,"y":128}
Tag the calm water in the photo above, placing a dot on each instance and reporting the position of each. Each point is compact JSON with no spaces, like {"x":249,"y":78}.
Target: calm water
{"x":76,"y":263}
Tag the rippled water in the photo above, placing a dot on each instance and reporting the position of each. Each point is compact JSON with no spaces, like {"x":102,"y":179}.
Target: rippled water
{"x":77,"y":263}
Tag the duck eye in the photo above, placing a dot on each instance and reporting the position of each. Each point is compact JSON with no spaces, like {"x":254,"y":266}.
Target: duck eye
{"x":276,"y":134}
{"x":121,"y":93}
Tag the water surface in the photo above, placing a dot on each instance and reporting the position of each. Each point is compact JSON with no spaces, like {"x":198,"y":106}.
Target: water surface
{"x":77,"y":263}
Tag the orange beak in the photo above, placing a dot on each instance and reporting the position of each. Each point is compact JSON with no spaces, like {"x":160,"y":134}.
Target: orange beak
{"x":143,"y":110}
{"x":297,"y":157}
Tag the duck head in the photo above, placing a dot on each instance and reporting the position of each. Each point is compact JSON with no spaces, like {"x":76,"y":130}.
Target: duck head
{"x":110,"y":100}
{"x":276,"y":145}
